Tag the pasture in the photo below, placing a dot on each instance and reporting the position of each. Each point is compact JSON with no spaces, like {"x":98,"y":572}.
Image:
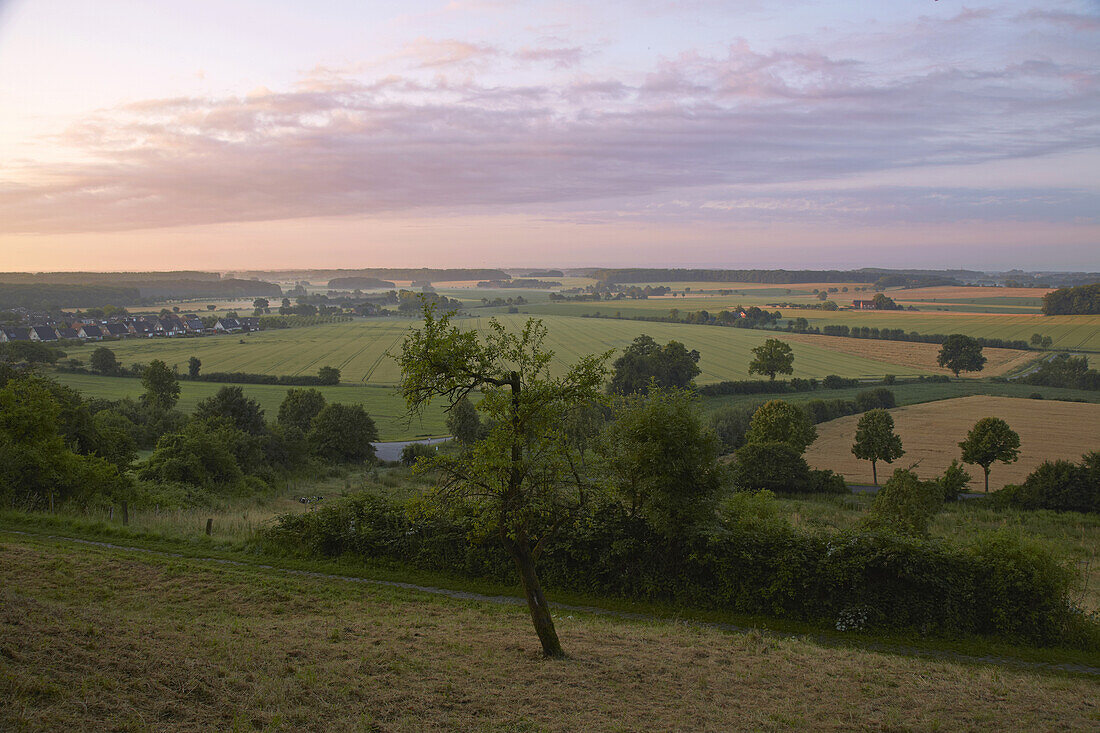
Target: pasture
{"x":385,"y":406}
{"x":359,"y":348}
{"x":930,"y":434}
{"x":108,"y":639}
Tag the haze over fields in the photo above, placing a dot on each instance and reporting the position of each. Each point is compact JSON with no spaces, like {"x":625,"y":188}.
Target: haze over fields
{"x":154,"y":135}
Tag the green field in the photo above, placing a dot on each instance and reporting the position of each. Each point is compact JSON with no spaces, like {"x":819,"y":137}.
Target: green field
{"x":383,"y":403}
{"x":359,"y":348}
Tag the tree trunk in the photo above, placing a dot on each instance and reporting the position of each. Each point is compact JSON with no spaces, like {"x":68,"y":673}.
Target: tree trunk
{"x":874,"y":473}
{"x":536,"y":600}
{"x":986,"y":469}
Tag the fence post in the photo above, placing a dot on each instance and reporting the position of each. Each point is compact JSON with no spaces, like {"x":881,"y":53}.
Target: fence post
{"x":209,"y":525}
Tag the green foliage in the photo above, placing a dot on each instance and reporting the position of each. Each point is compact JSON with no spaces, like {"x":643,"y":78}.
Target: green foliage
{"x":954,"y":481}
{"x":329,"y":375}
{"x":31,"y":352}
{"x":36,"y":466}
{"x":774,"y":466}
{"x":103,"y":361}
{"x":657,"y":456}
{"x":961,"y":353}
{"x":231,"y":404}
{"x":1084,"y":299}
{"x":991,"y":439}
{"x":730,"y":423}
{"x":772,"y":357}
{"x":876,"y":440}
{"x":162,"y":389}
{"x":644,"y":363}
{"x":879,"y":397}
{"x":414,"y":451}
{"x":299,"y":407}
{"x":1065,"y":370}
{"x":754,"y":563}
{"x":200,"y":455}
{"x":343,"y":434}
{"x":194,"y":365}
{"x":783,"y":422}
{"x":1060,"y":486}
{"x":905,"y":504}
{"x":464,"y":423}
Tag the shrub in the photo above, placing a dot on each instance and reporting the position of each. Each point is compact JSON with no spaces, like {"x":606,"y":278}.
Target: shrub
{"x":413,"y":451}
{"x":777,"y":420}
{"x":730,"y":424}
{"x":1060,"y":486}
{"x":954,"y":480}
{"x":905,"y":504}
{"x":774,"y":466}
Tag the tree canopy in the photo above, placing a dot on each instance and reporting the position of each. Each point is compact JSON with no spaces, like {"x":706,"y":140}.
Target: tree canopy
{"x":646,"y":363}
{"x":991,"y":439}
{"x":521,"y":482}
{"x":299,"y":407}
{"x":343,"y":434}
{"x":779,"y":421}
{"x":961,"y":353}
{"x":162,"y":389}
{"x":772,"y":357}
{"x":876,"y":440}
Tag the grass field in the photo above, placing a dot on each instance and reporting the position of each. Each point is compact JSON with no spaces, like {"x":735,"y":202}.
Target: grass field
{"x":101,"y":639}
{"x":914,"y":355}
{"x":358,"y":348}
{"x":385,"y":406}
{"x":930,"y":434}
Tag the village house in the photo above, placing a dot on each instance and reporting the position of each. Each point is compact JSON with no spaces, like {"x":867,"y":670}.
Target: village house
{"x":14,"y":334}
{"x":43,"y":333}
{"x":228,"y":325}
{"x":90,"y":332}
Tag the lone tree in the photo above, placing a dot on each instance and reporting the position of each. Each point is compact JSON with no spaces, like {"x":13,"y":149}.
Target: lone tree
{"x":991,"y":439}
{"x":876,"y":440}
{"x":644,"y":362}
{"x":328,"y":375}
{"x":162,"y":389}
{"x":103,"y":361}
{"x":343,"y":434}
{"x":520,"y":481}
{"x":961,"y":354}
{"x":772,"y":357}
{"x":193,"y":367}
{"x":464,"y":422}
{"x":777,"y":421}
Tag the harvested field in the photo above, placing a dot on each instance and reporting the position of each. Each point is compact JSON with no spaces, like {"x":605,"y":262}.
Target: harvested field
{"x":966,"y":293}
{"x":931,"y":432}
{"x":913,"y":354}
{"x":98,"y":639}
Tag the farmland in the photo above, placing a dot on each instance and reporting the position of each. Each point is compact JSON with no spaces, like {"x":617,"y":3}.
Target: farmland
{"x":930,"y":434}
{"x":240,"y":647}
{"x":359,"y":348}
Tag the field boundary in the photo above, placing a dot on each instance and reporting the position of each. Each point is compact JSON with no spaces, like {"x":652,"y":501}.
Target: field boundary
{"x":821,"y":639}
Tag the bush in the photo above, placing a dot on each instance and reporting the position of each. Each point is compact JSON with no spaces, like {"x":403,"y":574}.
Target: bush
{"x":836,"y":382}
{"x":1060,"y":486}
{"x":954,"y":480}
{"x":754,"y":563}
{"x":905,"y":504}
{"x":774,"y":466}
{"x":730,"y":424}
{"x":413,"y":451}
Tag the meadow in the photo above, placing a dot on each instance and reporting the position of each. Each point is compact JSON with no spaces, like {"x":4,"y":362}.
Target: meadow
{"x":930,"y":434}
{"x":108,"y":639}
{"x":359,"y":348}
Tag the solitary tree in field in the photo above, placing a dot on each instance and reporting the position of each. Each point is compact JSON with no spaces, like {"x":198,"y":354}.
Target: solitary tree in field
{"x":103,"y":361}
{"x":876,"y":440}
{"x":961,"y":354}
{"x":194,"y":364}
{"x":162,"y":389}
{"x":645,"y":362}
{"x":464,"y":422}
{"x":772,"y":357}
{"x":991,"y":439}
{"x":521,"y":480}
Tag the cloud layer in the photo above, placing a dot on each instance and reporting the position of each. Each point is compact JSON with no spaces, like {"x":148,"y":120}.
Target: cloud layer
{"x":450,"y":127}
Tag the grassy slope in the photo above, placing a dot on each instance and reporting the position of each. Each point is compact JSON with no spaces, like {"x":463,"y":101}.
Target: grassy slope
{"x":107,"y":639}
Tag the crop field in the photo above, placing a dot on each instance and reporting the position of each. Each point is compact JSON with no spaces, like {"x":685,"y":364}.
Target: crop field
{"x":96,"y":638}
{"x":930,"y":434}
{"x":359,"y":348}
{"x":1067,"y":332}
{"x":385,"y":406}
{"x":915,"y":355}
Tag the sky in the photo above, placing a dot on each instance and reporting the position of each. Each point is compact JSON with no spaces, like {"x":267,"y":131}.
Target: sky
{"x":221,"y":135}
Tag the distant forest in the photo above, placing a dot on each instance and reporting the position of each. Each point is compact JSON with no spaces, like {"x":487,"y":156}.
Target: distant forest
{"x":890,"y":278}
{"x":384,"y":273}
{"x":45,"y":296}
{"x":1083,"y":300}
{"x":359,"y":282}
{"x":105,"y":278}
